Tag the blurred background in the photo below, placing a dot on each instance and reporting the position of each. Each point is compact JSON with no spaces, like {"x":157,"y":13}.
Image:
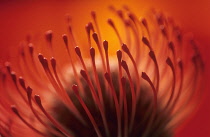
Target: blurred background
{"x":21,"y":18}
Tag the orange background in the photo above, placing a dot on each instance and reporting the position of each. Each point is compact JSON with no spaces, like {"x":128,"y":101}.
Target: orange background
{"x":19,"y":18}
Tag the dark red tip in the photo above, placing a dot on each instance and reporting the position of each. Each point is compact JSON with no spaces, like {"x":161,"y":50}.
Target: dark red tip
{"x":31,"y":48}
{"x":53,"y":62}
{"x":125,"y":48}
{"x":84,"y":74}
{"x":105,"y":43}
{"x":43,"y":60}
{"x":95,"y":37}
{"x":78,"y":52}
{"x":48,"y":36}
{"x":171,"y":45}
{"x":93,"y":14}
{"x":65,"y":39}
{"x":8,"y":66}
{"x":38,"y":100}
{"x":92,"y":53}
{"x":120,"y":13}
{"x":160,"y":19}
{"x":13,"y":75}
{"x":180,"y":64}
{"x":179,"y":36}
{"x":163,"y":30}
{"x":75,"y":88}
{"x":144,"y":22}
{"x":145,"y":41}
{"x":22,"y":82}
{"x":127,"y":22}
{"x":87,"y":29}
{"x":110,"y":22}
{"x":70,"y":29}
{"x":29,"y":91}
{"x":124,"y":65}
{"x":14,"y":109}
{"x":131,"y":16}
{"x":152,"y":55}
{"x":169,"y":62}
{"x":90,"y":25}
{"x":119,"y":55}
{"x":145,"y":76}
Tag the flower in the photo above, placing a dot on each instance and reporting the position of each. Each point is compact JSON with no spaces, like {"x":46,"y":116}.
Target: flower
{"x":146,"y":89}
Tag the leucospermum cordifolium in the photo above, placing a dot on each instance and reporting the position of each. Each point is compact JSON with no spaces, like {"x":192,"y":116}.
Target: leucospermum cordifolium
{"x":146,"y":89}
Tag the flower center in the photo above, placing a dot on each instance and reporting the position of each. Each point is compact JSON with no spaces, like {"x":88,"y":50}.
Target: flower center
{"x":146,"y":118}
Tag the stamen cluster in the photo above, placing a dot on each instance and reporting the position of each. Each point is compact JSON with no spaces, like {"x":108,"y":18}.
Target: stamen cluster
{"x":146,"y":89}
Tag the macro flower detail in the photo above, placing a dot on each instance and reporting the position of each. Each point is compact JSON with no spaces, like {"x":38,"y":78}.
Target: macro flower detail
{"x":146,"y":89}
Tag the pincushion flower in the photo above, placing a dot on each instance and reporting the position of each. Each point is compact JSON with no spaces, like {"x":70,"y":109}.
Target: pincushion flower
{"x":145,"y":89}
